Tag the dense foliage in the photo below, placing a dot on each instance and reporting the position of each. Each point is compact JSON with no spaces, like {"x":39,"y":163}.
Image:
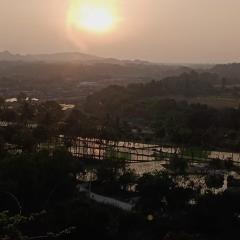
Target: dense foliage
{"x":150,"y":112}
{"x":39,"y":183}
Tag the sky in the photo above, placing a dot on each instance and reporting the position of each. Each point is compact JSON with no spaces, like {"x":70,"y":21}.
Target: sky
{"x":166,"y":31}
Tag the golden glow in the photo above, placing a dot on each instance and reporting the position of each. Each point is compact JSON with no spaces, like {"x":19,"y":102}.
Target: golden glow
{"x":93,"y":15}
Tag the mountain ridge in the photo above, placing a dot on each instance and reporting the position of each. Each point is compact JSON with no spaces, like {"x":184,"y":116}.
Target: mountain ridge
{"x":66,"y":57}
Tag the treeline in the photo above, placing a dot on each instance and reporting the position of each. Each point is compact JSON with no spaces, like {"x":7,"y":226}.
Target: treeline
{"x":123,"y":113}
{"x":36,"y":75}
{"x":170,"y":122}
{"x":228,"y":71}
{"x":39,"y":188}
{"x":151,"y":108}
{"x":188,"y":84}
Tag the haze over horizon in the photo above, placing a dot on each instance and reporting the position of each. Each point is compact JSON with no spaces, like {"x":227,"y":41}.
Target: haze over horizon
{"x":166,"y":31}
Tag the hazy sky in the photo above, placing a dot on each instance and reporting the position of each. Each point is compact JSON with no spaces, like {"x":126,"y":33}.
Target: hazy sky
{"x":158,"y":30}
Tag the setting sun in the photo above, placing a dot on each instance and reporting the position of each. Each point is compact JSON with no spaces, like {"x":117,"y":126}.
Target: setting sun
{"x":93,"y":15}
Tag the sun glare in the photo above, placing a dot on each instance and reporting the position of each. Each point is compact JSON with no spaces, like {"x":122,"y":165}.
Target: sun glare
{"x":93,"y":15}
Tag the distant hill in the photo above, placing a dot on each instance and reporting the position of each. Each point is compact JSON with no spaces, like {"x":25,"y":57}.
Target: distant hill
{"x":55,"y":57}
{"x":66,"y":57}
{"x":74,"y":75}
{"x":229,"y":71}
{"x":83,"y":67}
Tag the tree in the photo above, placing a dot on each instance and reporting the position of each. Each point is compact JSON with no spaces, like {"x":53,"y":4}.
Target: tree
{"x":9,"y":226}
{"x":154,"y":189}
{"x":38,"y":180}
{"x":214,"y":181}
{"x":21,"y":98}
{"x":2,"y":103}
{"x":26,"y":112}
{"x":128,"y":179}
{"x":78,"y":124}
{"x":49,"y":113}
{"x":178,"y":164}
